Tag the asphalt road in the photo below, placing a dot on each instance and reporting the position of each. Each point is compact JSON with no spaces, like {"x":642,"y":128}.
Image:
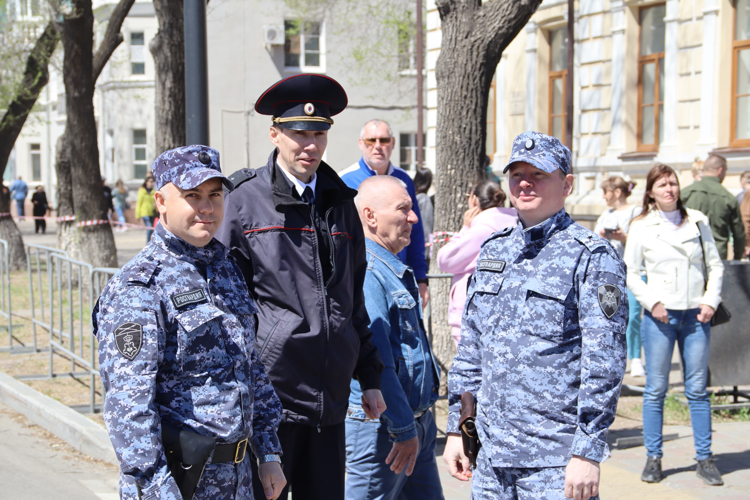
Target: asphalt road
{"x":35,"y":465}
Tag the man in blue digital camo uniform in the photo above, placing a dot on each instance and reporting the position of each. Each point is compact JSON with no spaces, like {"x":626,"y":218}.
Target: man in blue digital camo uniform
{"x":405,"y":436}
{"x":176,"y":330}
{"x":542,"y":342}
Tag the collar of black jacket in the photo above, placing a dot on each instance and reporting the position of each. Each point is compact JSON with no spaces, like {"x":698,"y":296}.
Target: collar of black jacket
{"x":330,"y":189}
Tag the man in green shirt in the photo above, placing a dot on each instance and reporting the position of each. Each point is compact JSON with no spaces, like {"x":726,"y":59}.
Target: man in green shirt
{"x":721,"y":207}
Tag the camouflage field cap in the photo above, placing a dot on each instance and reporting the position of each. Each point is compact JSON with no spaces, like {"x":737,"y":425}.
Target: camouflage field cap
{"x":542,"y":151}
{"x":188,"y":167}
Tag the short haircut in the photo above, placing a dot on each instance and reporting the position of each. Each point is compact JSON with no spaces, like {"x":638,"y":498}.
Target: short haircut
{"x":714,"y":162}
{"x":377,"y":122}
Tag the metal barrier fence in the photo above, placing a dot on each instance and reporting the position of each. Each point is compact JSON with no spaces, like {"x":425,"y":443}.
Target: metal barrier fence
{"x":34,"y":254}
{"x":5,"y":310}
{"x":71,"y":288}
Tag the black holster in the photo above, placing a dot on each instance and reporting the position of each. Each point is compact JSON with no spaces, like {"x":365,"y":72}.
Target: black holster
{"x":187,"y":454}
{"x":468,"y":426}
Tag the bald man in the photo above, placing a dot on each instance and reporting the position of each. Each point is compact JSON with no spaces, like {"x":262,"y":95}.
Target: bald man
{"x":721,"y":207}
{"x":393,"y":456}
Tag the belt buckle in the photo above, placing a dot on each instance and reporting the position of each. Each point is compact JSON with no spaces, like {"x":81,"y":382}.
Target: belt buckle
{"x":242,"y":445}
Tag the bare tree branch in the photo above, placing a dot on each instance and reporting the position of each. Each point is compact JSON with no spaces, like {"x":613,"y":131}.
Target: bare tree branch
{"x":112,"y":37}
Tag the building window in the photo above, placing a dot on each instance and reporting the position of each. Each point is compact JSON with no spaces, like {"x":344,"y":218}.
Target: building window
{"x":740,"y":121}
{"x":137,"y":53}
{"x":140,"y":165}
{"x":558,"y":72}
{"x":651,"y":78}
{"x":302,"y":44}
{"x":407,"y":49}
{"x":408,"y":149}
{"x":35,"y":151}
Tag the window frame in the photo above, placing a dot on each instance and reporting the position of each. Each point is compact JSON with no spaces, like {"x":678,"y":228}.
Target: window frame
{"x":412,"y":149}
{"x":642,"y":61}
{"x":135,"y":147}
{"x":552,"y":76}
{"x":35,"y":150}
{"x":737,"y":47}
{"x":138,"y":56}
{"x":303,"y":67}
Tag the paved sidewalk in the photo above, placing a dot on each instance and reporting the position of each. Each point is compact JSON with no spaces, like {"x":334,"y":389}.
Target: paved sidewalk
{"x":621,"y":474}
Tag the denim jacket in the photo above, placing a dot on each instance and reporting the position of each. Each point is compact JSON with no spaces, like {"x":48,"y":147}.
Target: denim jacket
{"x":411,"y":376}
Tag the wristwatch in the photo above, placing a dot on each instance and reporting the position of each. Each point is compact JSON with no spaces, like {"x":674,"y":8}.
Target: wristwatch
{"x":269,"y":458}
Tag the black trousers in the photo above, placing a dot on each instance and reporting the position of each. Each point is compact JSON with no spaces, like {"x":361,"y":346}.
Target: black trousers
{"x":40,"y":224}
{"x":313,"y":462}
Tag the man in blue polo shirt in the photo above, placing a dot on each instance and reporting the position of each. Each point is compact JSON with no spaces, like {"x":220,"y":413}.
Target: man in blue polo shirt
{"x":376,"y":142}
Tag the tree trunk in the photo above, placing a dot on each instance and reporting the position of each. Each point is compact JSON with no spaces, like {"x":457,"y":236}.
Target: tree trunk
{"x":168,"y":50}
{"x":474,"y":35}
{"x":35,"y":77}
{"x":80,"y":190}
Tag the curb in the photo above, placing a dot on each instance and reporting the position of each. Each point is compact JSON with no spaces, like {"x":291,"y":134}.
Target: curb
{"x":78,"y":431}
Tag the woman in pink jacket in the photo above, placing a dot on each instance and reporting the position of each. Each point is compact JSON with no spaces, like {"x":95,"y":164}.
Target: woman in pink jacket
{"x":484,"y":217}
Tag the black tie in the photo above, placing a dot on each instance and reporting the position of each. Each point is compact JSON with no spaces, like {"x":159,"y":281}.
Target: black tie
{"x":307,"y":195}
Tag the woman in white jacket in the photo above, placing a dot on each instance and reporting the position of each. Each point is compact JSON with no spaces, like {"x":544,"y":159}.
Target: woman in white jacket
{"x":678,"y":306}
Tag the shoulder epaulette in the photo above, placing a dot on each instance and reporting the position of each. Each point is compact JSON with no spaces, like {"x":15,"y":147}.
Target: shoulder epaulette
{"x":590,"y":240}
{"x":241,"y":176}
{"x":141,"y":273}
{"x":500,"y":234}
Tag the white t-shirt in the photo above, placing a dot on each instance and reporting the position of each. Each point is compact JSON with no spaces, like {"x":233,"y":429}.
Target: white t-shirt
{"x":614,"y":219}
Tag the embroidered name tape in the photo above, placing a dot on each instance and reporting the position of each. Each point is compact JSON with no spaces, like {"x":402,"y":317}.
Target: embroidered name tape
{"x":190,"y":297}
{"x":496,"y":266}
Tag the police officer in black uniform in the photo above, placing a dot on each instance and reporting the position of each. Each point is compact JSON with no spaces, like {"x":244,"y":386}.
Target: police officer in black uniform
{"x":294,"y":230}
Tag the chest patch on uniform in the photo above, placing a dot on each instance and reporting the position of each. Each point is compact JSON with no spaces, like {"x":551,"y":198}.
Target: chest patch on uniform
{"x":190,"y":297}
{"x":609,"y":299}
{"x":129,"y":339}
{"x":495,"y":266}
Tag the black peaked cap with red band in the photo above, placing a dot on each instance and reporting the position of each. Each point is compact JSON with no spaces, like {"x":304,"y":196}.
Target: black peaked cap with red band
{"x":303,"y":102}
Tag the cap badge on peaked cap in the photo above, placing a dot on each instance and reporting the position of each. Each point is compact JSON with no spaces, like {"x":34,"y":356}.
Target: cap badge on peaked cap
{"x":309,"y":109}
{"x":204,"y":158}
{"x":529,"y":144}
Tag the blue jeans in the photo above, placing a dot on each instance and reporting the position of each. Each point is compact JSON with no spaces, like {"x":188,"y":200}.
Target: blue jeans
{"x":149,"y":222}
{"x":369,"y":478}
{"x":693,"y":339}
{"x":633,"y":333}
{"x":20,"y":207}
{"x":120,"y":214}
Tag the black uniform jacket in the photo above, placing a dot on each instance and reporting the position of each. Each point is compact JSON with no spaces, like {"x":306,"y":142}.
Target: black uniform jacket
{"x":313,"y":328}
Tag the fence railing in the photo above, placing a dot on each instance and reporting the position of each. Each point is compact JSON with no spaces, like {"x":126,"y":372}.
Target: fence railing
{"x":5,"y":311}
{"x":35,"y":256}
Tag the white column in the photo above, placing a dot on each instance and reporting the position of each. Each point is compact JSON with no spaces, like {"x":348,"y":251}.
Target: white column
{"x":531,"y":28}
{"x":707,"y":139}
{"x":670,"y":75}
{"x":617,"y":110}
{"x":500,"y":132}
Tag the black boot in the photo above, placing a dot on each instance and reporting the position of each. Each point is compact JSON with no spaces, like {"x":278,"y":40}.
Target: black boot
{"x":652,"y":470}
{"x":707,"y":471}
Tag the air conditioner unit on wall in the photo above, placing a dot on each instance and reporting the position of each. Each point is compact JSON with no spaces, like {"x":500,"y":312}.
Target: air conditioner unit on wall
{"x":273,"y":35}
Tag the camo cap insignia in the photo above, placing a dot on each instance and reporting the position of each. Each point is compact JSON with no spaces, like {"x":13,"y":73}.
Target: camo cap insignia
{"x":542,"y":151}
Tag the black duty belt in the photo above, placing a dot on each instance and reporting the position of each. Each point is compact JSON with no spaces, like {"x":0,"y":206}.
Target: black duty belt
{"x":226,"y":453}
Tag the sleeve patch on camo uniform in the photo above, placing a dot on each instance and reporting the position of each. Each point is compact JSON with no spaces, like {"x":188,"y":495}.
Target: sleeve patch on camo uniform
{"x":496,"y":266}
{"x":129,"y":339}
{"x":609,"y":299}
{"x":190,"y":297}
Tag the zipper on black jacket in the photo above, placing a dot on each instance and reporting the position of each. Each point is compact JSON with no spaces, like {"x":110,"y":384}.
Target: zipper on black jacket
{"x":316,"y":255}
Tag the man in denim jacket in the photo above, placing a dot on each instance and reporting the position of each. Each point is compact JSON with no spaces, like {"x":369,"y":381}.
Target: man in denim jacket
{"x":395,"y":456}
